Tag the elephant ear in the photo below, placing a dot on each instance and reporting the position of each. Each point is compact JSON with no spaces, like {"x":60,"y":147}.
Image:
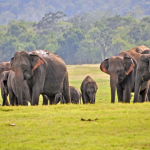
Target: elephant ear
{"x":4,"y":78}
{"x":11,"y":63}
{"x":96,"y":87}
{"x":5,"y":75}
{"x":36,"y":60}
{"x":148,"y":57}
{"x":104,"y":66}
{"x":129,"y":64}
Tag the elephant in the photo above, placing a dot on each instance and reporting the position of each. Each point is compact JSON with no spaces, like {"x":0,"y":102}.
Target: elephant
{"x":59,"y":98}
{"x":45,"y":73}
{"x":122,"y":71}
{"x":8,"y":86}
{"x":4,"y":88}
{"x":88,"y":90}
{"x":4,"y":66}
{"x":75,"y":95}
{"x":142,"y":78}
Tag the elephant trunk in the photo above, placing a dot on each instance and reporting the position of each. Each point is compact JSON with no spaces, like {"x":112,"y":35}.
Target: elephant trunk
{"x":91,"y":97}
{"x":19,"y":84}
{"x":113,"y":84}
{"x":137,"y":88}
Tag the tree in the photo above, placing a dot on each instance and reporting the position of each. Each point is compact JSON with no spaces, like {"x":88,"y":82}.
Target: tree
{"x":50,"y":22}
{"x":103,"y":38}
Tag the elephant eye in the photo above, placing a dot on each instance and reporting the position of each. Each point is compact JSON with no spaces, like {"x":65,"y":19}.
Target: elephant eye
{"x":140,"y":69}
{"x":23,"y":66}
{"x":118,"y":70}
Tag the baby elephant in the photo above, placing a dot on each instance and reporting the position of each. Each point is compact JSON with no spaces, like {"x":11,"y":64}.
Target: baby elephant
{"x":75,"y":95}
{"x":88,"y":89}
{"x":59,"y":98}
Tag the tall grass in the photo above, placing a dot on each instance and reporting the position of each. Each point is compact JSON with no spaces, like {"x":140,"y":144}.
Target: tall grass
{"x":59,"y":127}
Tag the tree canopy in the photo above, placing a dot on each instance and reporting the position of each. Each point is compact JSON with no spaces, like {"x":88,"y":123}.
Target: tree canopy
{"x":83,"y":38}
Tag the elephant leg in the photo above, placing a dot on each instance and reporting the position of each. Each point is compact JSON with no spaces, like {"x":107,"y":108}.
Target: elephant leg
{"x":45,"y":100}
{"x":16,"y":101}
{"x":144,"y":95}
{"x":25,"y":102}
{"x":35,"y":95}
{"x":86,"y":99}
{"x":52,"y":99}
{"x":66,"y":89}
{"x":62,"y":100}
{"x":120,"y":92}
{"x":12,"y":98}
{"x":127,"y":95}
{"x":5,"y":100}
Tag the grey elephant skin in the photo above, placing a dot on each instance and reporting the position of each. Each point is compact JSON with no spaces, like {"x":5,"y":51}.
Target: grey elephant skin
{"x":4,"y":66}
{"x":45,"y":73}
{"x":122,"y":71}
{"x":8,"y":86}
{"x":74,"y":94}
{"x":88,"y":90}
{"x":142,"y":77}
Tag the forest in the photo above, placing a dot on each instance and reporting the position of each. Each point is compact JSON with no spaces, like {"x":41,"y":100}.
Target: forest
{"x":78,"y":37}
{"x":83,"y":38}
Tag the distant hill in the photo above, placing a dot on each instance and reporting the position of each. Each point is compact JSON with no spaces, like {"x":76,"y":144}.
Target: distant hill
{"x":34,"y":10}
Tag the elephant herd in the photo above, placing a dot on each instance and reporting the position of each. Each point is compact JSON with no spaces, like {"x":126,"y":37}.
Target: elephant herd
{"x":30,"y":74}
{"x":129,"y":72}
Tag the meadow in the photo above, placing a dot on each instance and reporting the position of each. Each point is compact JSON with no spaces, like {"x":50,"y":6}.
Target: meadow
{"x":118,"y":126}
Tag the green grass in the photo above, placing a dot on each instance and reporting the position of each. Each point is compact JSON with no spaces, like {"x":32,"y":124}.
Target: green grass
{"x":59,"y":127}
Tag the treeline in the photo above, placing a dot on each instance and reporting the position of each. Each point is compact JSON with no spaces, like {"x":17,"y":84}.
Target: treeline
{"x":33,"y":10}
{"x":85,"y":38}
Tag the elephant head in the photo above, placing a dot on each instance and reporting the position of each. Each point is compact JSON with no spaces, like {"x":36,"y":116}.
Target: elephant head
{"x":91,"y":89}
{"x":24,"y":64}
{"x":58,"y":98}
{"x":118,"y":67}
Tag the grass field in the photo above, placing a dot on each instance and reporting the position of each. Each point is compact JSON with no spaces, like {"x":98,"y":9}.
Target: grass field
{"x":59,"y":127}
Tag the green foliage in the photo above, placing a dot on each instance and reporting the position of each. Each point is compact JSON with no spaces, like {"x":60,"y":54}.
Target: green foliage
{"x":29,"y":46}
{"x":89,"y":37}
{"x":68,"y":44}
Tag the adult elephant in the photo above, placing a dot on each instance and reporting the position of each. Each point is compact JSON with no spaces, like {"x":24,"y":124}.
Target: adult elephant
{"x":45,"y":73}
{"x":8,"y":86}
{"x":142,"y":82}
{"x":4,"y":66}
{"x":88,"y":90}
{"x":122,"y":71}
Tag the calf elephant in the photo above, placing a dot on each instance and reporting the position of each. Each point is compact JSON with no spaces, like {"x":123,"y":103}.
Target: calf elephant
{"x":122,"y":71}
{"x":4,"y":87}
{"x":75,"y":95}
{"x":45,"y":73}
{"x":59,"y":98}
{"x":9,"y":87}
{"x":88,"y":90}
{"x":4,"y":66}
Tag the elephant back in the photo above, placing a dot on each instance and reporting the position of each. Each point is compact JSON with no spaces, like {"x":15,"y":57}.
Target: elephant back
{"x":137,"y":51}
